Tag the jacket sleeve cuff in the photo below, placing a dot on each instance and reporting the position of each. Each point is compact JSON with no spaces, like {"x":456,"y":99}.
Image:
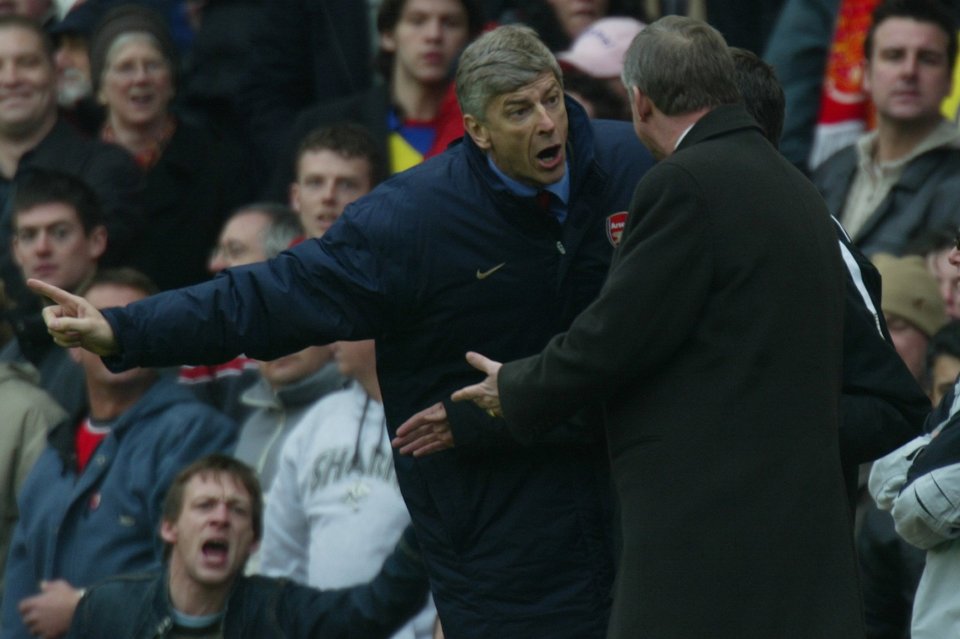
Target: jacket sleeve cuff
{"x":889,"y":473}
{"x":471,"y":427}
{"x":128,"y":356}
{"x":927,"y":513}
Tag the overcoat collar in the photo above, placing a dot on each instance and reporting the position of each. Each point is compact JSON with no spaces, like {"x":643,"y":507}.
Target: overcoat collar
{"x":720,"y":121}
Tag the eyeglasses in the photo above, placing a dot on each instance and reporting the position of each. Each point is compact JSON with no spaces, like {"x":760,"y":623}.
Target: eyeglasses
{"x":128,"y":70}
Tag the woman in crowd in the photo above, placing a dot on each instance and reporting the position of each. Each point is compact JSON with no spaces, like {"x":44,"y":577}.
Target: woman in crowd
{"x":193,"y":177}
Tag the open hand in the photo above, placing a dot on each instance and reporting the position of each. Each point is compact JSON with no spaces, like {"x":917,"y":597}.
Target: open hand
{"x":486,"y":395}
{"x":426,"y":432}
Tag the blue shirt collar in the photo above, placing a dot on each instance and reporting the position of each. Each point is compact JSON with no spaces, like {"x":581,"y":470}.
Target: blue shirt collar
{"x":560,"y":188}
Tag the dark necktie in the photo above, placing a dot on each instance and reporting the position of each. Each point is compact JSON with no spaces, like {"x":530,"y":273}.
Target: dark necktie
{"x":544,"y":201}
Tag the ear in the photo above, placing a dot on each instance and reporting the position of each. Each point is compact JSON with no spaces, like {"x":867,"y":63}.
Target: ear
{"x":641,"y":104}
{"x":477,"y":132}
{"x":295,"y":196}
{"x":951,"y":83}
{"x":97,"y":241}
{"x":387,"y":42}
{"x":865,"y":74}
{"x":14,"y":245}
{"x":168,"y":531}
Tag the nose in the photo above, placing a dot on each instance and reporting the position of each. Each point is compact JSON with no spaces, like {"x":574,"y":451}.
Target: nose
{"x":42,"y":244}
{"x":220,"y":514}
{"x":8,"y":73}
{"x":140,"y":73}
{"x":954,"y":257}
{"x":546,"y":122}
{"x":217,"y":263}
{"x":328,"y":192}
{"x":433,"y":30}
{"x":60,"y":58}
{"x":910,"y":64}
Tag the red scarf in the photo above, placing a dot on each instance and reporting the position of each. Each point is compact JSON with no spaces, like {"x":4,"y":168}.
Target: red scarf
{"x":148,"y":157}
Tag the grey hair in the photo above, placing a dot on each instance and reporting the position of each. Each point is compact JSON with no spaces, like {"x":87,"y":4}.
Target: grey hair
{"x":682,"y":65}
{"x":498,"y":62}
{"x":282,"y":228}
{"x":133,"y":36}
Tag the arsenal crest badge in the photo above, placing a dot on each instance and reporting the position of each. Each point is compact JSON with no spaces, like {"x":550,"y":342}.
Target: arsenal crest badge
{"x":615,"y":224}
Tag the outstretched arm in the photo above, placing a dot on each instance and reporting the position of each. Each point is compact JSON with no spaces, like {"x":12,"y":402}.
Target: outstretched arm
{"x":73,"y":321}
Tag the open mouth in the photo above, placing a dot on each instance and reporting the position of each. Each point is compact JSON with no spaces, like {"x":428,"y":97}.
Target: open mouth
{"x":141,"y":100}
{"x":215,"y":550}
{"x":550,"y":157}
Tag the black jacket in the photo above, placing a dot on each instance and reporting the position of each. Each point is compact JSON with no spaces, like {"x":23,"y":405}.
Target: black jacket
{"x":715,"y":347}
{"x":188,"y":194}
{"x":106,"y":168}
{"x":138,"y":606}
{"x":881,"y":405}
{"x":305,"y":52}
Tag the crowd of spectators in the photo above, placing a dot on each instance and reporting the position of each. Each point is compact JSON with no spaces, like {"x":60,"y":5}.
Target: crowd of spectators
{"x":150,"y":145}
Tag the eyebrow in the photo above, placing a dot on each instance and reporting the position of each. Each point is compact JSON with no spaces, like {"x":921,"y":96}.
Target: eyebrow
{"x":47,"y":225}
{"x":516,"y":101}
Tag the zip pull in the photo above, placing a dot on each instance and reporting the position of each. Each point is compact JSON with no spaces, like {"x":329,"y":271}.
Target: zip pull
{"x":560,"y":249}
{"x":164,"y":627}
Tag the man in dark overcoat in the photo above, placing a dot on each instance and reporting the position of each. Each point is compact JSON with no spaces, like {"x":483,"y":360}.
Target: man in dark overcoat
{"x":715,"y":349}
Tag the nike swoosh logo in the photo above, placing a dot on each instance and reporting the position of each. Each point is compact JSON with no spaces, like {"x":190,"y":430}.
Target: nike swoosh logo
{"x":482,"y":275}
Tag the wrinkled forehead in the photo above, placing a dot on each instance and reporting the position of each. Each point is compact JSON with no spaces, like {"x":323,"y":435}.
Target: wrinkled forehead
{"x":218,"y":484}
{"x":543,"y":85}
{"x":130,"y":39}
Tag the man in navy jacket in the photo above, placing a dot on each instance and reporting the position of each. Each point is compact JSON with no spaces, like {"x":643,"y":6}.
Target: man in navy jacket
{"x":495,"y":244}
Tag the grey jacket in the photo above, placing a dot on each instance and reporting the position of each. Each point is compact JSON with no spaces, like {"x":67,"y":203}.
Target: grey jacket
{"x":924,"y":198}
{"x":275,"y":414}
